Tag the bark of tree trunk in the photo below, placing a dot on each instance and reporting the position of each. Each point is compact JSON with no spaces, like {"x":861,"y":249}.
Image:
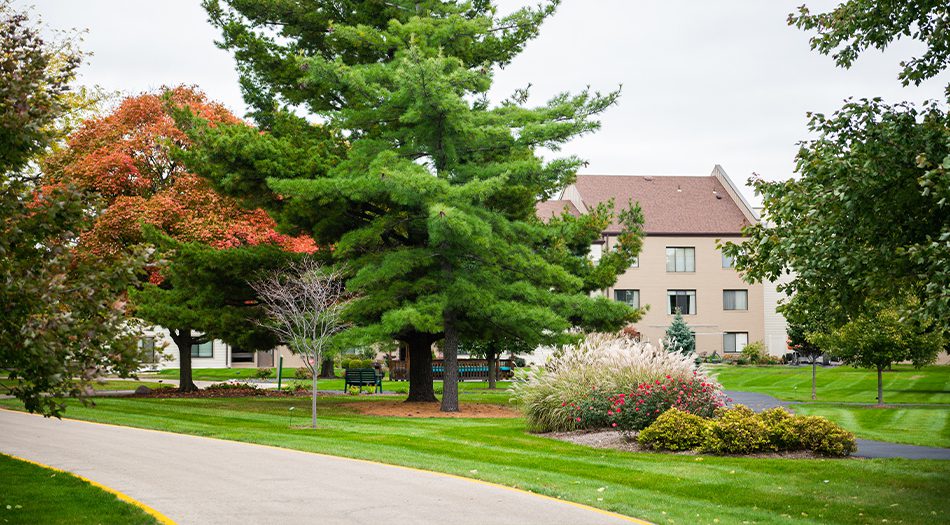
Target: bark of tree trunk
{"x":880,"y":386}
{"x":183,"y":340}
{"x":313,"y":402}
{"x":814,"y":367}
{"x":450,"y":365}
{"x":492,"y":358}
{"x":420,"y":368}
{"x":326,"y":368}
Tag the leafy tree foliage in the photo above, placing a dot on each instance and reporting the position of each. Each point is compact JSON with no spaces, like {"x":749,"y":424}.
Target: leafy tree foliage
{"x":431,"y":203}
{"x":880,"y":337}
{"x":869,"y":218}
{"x":679,"y":337}
{"x":127,"y":158}
{"x":64,"y":318}
{"x":856,"y":25}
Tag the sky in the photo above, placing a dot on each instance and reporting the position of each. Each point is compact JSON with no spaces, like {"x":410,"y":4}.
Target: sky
{"x":703,"y":83}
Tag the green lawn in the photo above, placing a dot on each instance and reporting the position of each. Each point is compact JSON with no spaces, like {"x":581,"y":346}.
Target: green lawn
{"x":32,"y":494}
{"x":929,"y":426}
{"x":660,"y":488}
{"x":904,"y":384}
{"x":114,"y":384}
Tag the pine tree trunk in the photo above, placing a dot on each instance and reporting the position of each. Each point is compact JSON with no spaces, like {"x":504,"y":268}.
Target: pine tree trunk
{"x":492,"y":358}
{"x":450,"y":364}
{"x":326,"y":368}
{"x":420,"y":368}
{"x":183,"y":340}
{"x":814,"y":368}
{"x":880,"y":386}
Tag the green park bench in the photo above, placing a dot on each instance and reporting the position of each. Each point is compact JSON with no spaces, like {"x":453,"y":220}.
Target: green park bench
{"x":363,"y":377}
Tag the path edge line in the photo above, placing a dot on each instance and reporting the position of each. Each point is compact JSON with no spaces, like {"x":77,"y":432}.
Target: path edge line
{"x":583,"y":506}
{"x":163,"y":519}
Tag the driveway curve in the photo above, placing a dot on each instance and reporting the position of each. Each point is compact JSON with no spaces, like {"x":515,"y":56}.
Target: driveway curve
{"x":193,"y":479}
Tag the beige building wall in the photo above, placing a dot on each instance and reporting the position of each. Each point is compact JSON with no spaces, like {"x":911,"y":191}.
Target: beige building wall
{"x":709,"y":280}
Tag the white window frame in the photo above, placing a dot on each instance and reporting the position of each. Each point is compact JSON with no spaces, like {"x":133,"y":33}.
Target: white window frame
{"x":690,"y":294}
{"x":736,"y":303}
{"x":635,"y":293}
{"x":737,"y":347}
{"x":680,"y":259}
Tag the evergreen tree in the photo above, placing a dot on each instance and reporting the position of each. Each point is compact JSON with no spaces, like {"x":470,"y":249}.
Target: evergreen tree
{"x":679,"y":337}
{"x":432,"y":201}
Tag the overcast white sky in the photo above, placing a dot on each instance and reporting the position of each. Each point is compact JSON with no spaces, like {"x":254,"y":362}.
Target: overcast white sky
{"x":724,"y":82}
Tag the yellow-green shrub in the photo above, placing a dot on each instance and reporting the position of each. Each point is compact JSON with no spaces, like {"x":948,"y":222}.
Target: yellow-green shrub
{"x":735,"y":431}
{"x":822,"y":436}
{"x":674,"y":430}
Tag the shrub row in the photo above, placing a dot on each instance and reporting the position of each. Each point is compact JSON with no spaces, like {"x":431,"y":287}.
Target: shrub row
{"x":741,"y":431}
{"x":357,"y":363}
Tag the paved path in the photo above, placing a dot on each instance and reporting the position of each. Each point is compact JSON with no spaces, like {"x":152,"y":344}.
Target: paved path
{"x":192,"y":479}
{"x":866,"y":448}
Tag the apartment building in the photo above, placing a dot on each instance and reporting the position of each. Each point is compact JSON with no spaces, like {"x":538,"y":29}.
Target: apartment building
{"x":680,"y":266}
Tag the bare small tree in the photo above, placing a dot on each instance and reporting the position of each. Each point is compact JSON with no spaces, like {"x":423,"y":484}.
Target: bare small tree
{"x":304,"y":303}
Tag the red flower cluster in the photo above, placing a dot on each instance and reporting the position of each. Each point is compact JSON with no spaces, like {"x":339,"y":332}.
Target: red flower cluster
{"x":640,"y":407}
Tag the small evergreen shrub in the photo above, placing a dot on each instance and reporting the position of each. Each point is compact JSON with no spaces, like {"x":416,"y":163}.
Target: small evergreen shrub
{"x":674,"y":430}
{"x":735,"y":431}
{"x":303,"y":373}
{"x":353,"y":364}
{"x":822,"y":436}
{"x":782,"y":434}
{"x":262,"y":373}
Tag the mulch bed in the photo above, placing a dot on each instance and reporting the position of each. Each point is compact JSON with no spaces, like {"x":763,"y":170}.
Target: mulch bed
{"x":404,"y":409}
{"x":236,"y":391}
{"x":615,"y":440}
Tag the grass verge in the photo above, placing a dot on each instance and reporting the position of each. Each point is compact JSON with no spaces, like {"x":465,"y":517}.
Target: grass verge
{"x":33,"y":494}
{"x":927,"y":426}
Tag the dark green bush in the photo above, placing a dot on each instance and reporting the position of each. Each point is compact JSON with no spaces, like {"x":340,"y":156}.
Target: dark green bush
{"x":735,"y":431}
{"x":352,"y":364}
{"x":674,"y":430}
{"x":262,"y":373}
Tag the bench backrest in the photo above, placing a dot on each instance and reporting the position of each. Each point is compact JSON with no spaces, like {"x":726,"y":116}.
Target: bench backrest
{"x":362,"y":375}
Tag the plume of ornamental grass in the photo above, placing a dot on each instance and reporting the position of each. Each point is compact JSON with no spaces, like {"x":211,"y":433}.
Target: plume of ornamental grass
{"x":603,"y":363}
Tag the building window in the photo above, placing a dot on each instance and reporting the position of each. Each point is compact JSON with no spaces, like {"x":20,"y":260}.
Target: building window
{"x":735,"y":299}
{"x":203,"y":350}
{"x":733,"y":342}
{"x":631,"y":297}
{"x":241,"y":356}
{"x":727,"y":261}
{"x":684,"y":300}
{"x":681,"y":259}
{"x":147,"y":345}
{"x":596,"y":250}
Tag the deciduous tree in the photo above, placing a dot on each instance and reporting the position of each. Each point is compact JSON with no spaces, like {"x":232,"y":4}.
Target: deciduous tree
{"x":64,"y":318}
{"x":127,"y":158}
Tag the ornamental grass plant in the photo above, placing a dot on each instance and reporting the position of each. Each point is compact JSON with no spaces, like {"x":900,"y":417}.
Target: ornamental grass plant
{"x":579,"y":387}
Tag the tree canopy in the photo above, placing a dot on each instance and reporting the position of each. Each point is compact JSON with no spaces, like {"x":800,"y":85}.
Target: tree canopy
{"x":64,"y":318}
{"x":431,"y":202}
{"x":857,"y":25}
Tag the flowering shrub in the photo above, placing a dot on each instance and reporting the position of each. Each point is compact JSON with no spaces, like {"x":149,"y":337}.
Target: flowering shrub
{"x":674,"y":430}
{"x":641,"y":407}
{"x":594,"y":383}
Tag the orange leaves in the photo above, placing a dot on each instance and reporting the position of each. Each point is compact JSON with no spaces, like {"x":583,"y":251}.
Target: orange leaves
{"x":126,"y":158}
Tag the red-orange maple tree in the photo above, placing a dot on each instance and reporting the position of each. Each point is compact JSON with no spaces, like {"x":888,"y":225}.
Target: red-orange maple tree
{"x":125,"y":157}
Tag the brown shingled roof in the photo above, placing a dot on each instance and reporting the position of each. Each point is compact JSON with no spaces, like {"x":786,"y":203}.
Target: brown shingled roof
{"x":547,"y":209}
{"x":671,"y":204}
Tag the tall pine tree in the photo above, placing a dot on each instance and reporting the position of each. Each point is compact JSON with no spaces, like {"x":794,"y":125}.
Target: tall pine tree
{"x":431,"y":202}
